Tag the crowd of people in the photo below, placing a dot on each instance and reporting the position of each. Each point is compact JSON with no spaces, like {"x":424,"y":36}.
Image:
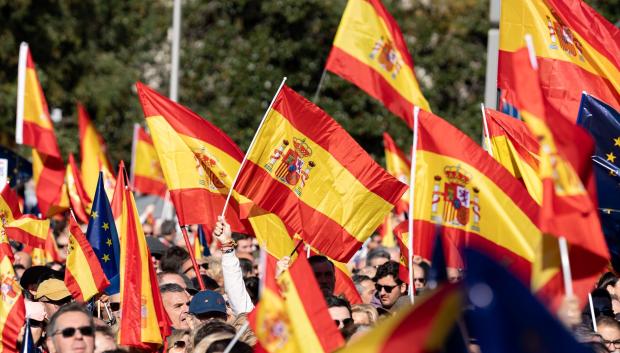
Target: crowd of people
{"x":205,"y":321}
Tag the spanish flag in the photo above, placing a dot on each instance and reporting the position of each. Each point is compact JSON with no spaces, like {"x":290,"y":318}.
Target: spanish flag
{"x":80,"y":202}
{"x":197,"y":158}
{"x":146,"y":174}
{"x":370,"y":51}
{"x":476,"y":201}
{"x":83,"y":275}
{"x":49,"y":253}
{"x":93,"y":153}
{"x":398,"y":166}
{"x":29,"y":230}
{"x":577,"y":50}
{"x":565,"y":167}
{"x":344,"y":283}
{"x":306,"y":169}
{"x":144,"y":323}
{"x":386,"y":231}
{"x":9,"y":206}
{"x":310,"y":322}
{"x":422,"y":328}
{"x":34,"y":128}
{"x":516,"y":148}
{"x":12,"y":309}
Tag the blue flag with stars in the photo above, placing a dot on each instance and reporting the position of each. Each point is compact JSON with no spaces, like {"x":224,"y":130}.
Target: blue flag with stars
{"x":103,"y":237}
{"x":603,"y":123}
{"x":202,"y":237}
{"x":28,"y":345}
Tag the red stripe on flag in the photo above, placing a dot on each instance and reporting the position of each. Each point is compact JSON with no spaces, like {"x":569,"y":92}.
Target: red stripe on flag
{"x":13,"y":324}
{"x":73,"y":286}
{"x":150,"y":186}
{"x":353,"y":70}
{"x":320,"y":231}
{"x":43,"y":139}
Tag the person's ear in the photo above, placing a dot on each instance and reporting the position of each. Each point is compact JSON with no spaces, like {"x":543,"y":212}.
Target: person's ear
{"x":403,"y":288}
{"x":50,"y":344}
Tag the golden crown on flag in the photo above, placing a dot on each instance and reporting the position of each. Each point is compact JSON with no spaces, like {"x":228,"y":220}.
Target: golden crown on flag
{"x":301,"y":147}
{"x":457,"y":175}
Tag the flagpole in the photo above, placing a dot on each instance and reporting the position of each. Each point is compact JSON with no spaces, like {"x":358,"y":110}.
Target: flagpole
{"x":245,"y":157}
{"x":134,"y":145}
{"x":21,"y":92}
{"x":319,"y":86}
{"x":414,"y":147}
{"x":192,"y":256}
{"x":594,"y":326}
{"x":176,"y":38}
{"x":487,"y":139}
{"x":235,"y":339}
{"x":566,"y":272}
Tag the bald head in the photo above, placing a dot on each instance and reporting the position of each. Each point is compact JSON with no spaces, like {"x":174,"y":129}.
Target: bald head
{"x":22,"y":258}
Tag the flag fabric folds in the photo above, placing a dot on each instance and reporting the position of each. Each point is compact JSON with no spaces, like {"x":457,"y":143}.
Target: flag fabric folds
{"x":577,"y":50}
{"x":369,"y":50}
{"x":201,"y":243}
{"x":146,"y":174}
{"x":603,"y":123}
{"x":78,"y":198}
{"x":516,"y":148}
{"x":102,"y":235}
{"x":398,"y":166}
{"x":506,"y":317}
{"x":310,"y":322}
{"x":84,"y":276}
{"x":9,"y":206}
{"x":476,"y":201}
{"x":29,"y":230}
{"x":197,"y":158}
{"x":34,"y":128}
{"x":144,"y":323}
{"x":306,"y":169}
{"x":12,"y":310}
{"x":421,"y":328}
{"x":93,"y":154}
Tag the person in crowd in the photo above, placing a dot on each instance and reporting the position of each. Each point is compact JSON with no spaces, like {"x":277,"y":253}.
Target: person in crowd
{"x":247,"y":267}
{"x":455,"y":275}
{"x":181,"y":280}
{"x":209,"y":328}
{"x":23,"y":259}
{"x":377,"y":256}
{"x":104,"y":339}
{"x":176,"y":302}
{"x":419,"y":279}
{"x":243,"y":244}
{"x":325,"y":274}
{"x":373,"y":242}
{"x":609,"y":329}
{"x":208,"y":282}
{"x":251,"y":285}
{"x":175,"y":259}
{"x":37,"y":317}
{"x":365,"y":287}
{"x":157,"y":250}
{"x":168,"y":233}
{"x":53,"y":293}
{"x":340,"y":311}
{"x":179,"y":342}
{"x":367,"y":271}
{"x":388,"y":285}
{"x":364,"y":314}
{"x":610,"y":283}
{"x":207,"y":306}
{"x":71,"y":329}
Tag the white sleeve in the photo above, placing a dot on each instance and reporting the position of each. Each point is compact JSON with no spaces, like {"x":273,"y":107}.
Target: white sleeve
{"x":234,"y":286}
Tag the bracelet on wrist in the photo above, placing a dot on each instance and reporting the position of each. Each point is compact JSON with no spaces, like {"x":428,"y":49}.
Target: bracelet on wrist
{"x":227,"y":250}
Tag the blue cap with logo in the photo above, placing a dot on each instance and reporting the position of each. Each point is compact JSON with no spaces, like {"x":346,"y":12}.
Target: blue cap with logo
{"x":207,"y":301}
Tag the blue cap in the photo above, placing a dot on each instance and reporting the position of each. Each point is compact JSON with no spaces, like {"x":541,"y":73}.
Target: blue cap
{"x":207,"y":301}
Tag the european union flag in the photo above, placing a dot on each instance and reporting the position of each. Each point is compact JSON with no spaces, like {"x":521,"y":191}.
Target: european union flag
{"x":437,"y":274}
{"x":28,"y":345}
{"x":202,"y":237}
{"x":506,"y":317}
{"x":603,"y":123}
{"x":103,"y":237}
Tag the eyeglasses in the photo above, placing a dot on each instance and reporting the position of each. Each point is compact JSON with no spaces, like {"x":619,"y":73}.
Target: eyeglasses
{"x":179,"y":344}
{"x":615,"y":343}
{"x":345,"y":322}
{"x":36,"y":323}
{"x":61,"y":246}
{"x":388,"y":289}
{"x":69,"y":332}
{"x":204,"y":266}
{"x":421,"y":280}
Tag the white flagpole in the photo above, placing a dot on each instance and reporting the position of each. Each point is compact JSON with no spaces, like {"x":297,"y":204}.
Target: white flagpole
{"x":319,"y":86}
{"x":176,"y":38}
{"x":414,"y":147}
{"x":487,"y":139}
{"x":592,"y":313}
{"x":566,"y":272}
{"x":245,"y":157}
{"x":21,"y":92}
{"x":134,"y":145}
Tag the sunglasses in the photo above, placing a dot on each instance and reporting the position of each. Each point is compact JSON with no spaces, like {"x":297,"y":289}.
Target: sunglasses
{"x":36,"y":323}
{"x":70,"y":331}
{"x":345,"y":322}
{"x":421,"y":280}
{"x":115,"y":306}
{"x":179,"y":344}
{"x":61,"y":246}
{"x":388,"y":289}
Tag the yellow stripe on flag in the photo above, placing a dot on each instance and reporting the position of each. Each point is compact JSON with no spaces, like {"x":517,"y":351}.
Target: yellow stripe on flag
{"x":34,"y":112}
{"x":76,"y":262}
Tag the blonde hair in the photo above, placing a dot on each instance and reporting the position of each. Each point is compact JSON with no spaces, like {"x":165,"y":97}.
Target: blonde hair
{"x":368,"y":309}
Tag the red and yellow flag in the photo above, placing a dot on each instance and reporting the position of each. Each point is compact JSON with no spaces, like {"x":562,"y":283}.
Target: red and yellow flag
{"x":12,"y":309}
{"x":80,"y":202}
{"x":146,"y":174}
{"x":310,"y":321}
{"x":49,"y":253}
{"x":370,"y":51}
{"x":84,"y":276}
{"x":144,"y":323}
{"x":29,"y":230}
{"x":93,"y":153}
{"x":477,"y":202}
{"x":197,"y":159}
{"x":399,"y":166}
{"x":421,"y":328}
{"x":344,"y":284}
{"x":578,"y":50}
{"x":9,"y":206}
{"x":565,"y":167}
{"x":34,"y":128}
{"x":516,"y":148}
{"x":306,"y":169}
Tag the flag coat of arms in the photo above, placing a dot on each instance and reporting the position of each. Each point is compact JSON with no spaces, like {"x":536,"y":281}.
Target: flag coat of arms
{"x":306,"y":169}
